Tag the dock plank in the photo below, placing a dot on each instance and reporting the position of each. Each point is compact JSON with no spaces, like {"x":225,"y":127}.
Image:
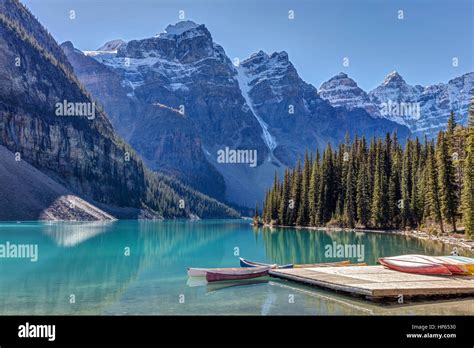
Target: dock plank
{"x":377,"y":282}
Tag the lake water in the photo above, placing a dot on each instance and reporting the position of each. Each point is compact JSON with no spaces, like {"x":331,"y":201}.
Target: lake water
{"x":139,"y":267}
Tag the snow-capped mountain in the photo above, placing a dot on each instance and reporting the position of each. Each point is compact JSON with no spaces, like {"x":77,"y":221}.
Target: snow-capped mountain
{"x":175,"y":98}
{"x":294,"y":114}
{"x":341,"y":90}
{"x":71,"y":167}
{"x":111,"y":45}
{"x":179,"y":100}
{"x":425,"y":110}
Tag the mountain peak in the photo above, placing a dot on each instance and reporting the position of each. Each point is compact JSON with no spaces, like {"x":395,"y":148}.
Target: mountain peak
{"x":341,"y":90}
{"x":283,"y":55}
{"x":178,"y":28}
{"x":184,"y":41}
{"x":263,"y":57}
{"x":67,"y":45}
{"x":341,"y":79}
{"x":393,"y":77}
{"x":111,"y":45}
{"x":341,"y":75}
{"x":259,"y":54}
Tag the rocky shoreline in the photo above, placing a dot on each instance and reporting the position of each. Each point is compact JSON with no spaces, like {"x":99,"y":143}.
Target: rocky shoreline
{"x":455,"y":240}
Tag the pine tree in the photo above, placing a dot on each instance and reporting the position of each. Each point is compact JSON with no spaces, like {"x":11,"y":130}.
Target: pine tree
{"x":327,"y":200}
{"x":363,"y":200}
{"x":341,"y":160}
{"x":295,"y":193}
{"x":447,"y":183}
{"x":371,"y":166}
{"x":433,"y":199}
{"x":313,"y":191}
{"x":415,"y":199}
{"x":285,"y":200}
{"x":405,"y":202}
{"x":256,"y":216}
{"x":451,"y":126}
{"x":377,"y":196}
{"x":265,"y":209}
{"x":303,"y":209}
{"x":350,"y":196}
{"x":468,"y":189}
{"x":386,"y":174}
{"x":394,"y":187}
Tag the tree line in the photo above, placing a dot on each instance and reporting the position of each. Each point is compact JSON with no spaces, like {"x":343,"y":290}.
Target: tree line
{"x":383,"y":184}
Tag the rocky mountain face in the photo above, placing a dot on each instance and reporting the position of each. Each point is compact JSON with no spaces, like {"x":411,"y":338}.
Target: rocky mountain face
{"x":49,"y":120}
{"x":425,"y":110}
{"x":343,"y":91}
{"x":174,"y":98}
{"x":179,"y":100}
{"x":165,"y":140}
{"x":297,"y":118}
{"x":29,"y":194}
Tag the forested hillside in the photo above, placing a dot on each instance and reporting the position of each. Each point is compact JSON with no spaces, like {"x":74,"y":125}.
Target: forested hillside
{"x":381,"y":184}
{"x":85,"y":155}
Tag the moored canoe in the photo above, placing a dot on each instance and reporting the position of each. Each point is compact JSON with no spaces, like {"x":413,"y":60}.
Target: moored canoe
{"x":466,"y":262}
{"x":248,"y":263}
{"x":414,"y":264}
{"x":454,"y":267}
{"x":236,"y":273}
{"x":201,"y":272}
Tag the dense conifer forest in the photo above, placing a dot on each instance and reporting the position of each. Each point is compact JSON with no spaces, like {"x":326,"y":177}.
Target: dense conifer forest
{"x":382,"y":184}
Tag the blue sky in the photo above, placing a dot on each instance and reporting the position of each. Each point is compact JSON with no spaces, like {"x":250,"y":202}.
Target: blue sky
{"x":420,"y":47}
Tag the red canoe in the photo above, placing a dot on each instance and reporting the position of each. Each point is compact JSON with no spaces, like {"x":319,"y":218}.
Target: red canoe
{"x":451,"y":266}
{"x":414,"y":264}
{"x":236,"y":274}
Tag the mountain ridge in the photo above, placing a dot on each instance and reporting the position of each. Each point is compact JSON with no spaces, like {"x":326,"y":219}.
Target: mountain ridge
{"x":261,"y":105}
{"x":426,"y":108}
{"x":83,"y":154}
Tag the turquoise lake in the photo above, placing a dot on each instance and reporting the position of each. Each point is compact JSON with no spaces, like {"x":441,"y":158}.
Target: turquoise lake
{"x":139,"y":268}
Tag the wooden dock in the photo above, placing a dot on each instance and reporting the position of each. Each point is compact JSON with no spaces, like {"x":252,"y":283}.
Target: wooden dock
{"x":378,"y":283}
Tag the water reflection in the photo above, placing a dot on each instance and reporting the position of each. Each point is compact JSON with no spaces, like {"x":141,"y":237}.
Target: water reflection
{"x":90,"y":261}
{"x":308,"y":246}
{"x":71,"y":234}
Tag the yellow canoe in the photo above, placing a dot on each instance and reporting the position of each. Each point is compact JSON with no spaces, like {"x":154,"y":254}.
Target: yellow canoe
{"x":464,"y":262}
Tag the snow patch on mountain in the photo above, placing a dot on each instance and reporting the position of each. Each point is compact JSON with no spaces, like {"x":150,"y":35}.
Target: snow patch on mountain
{"x":393,"y":90}
{"x":261,"y":67}
{"x":112,"y":45}
{"x":136,"y":70}
{"x":341,"y":90}
{"x":425,"y":110}
{"x":244,"y":84}
{"x":178,"y":29}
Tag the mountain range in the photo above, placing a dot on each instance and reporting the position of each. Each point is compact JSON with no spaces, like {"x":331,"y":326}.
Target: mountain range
{"x":177,"y":127}
{"x":424,"y":110}
{"x":179,"y":100}
{"x":59,"y":164}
